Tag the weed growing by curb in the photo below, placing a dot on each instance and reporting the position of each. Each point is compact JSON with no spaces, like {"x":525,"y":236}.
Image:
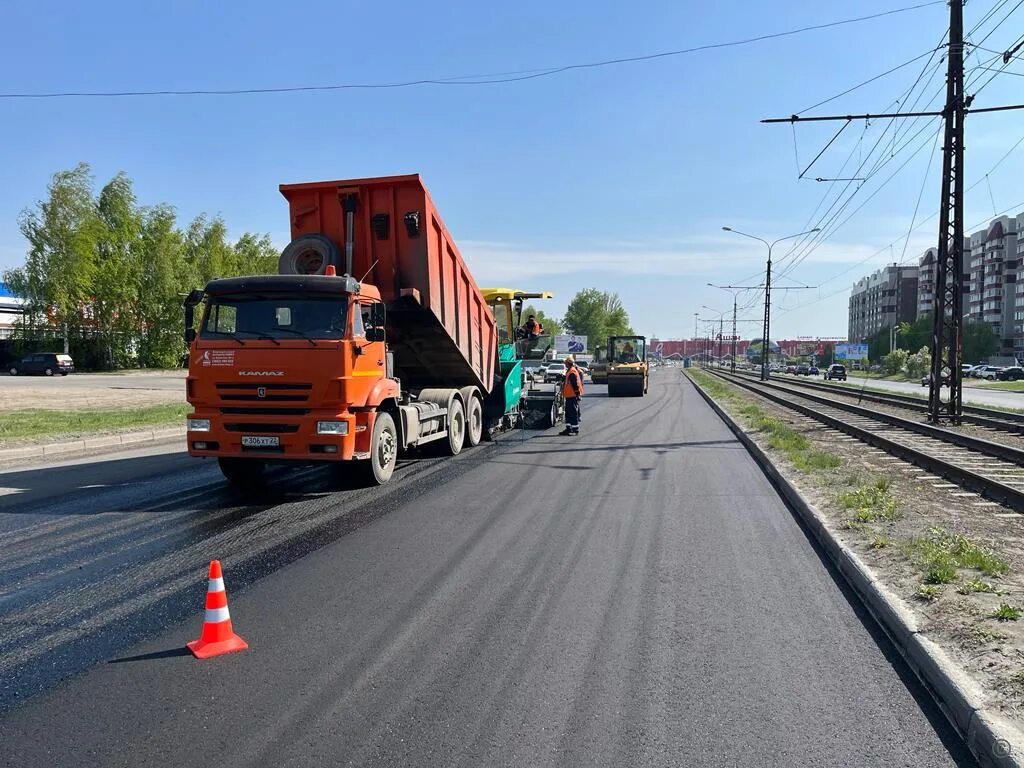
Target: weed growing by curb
{"x":940,"y":555}
{"x":1005,"y":612}
{"x":870,"y":503}
{"x":928,"y":592}
{"x":976,"y":585}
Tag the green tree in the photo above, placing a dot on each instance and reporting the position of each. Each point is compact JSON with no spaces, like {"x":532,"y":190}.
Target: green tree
{"x":919,"y":363}
{"x":255,"y":255}
{"x":207,"y":251}
{"x":597,"y":315}
{"x":896,"y":361}
{"x":979,"y":342}
{"x":63,"y":231}
{"x":162,"y":283}
{"x":118,"y":271}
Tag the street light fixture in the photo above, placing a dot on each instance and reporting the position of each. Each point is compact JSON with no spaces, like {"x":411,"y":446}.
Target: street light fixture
{"x":768,"y":289}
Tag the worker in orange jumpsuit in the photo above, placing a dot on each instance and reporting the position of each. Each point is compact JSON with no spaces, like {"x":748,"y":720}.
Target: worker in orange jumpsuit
{"x":572,"y":390}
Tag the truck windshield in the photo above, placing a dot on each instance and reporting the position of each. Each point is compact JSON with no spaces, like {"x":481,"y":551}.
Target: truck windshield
{"x":275,"y":316}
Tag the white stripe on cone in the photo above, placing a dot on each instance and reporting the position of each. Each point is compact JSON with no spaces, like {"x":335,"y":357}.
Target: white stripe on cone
{"x":217,"y":615}
{"x":216,"y":585}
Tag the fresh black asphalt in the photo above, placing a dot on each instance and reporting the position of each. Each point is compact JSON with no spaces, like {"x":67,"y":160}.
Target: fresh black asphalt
{"x":636,"y":596}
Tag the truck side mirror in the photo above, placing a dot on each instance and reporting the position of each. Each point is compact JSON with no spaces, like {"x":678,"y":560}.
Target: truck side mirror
{"x":193,"y":300}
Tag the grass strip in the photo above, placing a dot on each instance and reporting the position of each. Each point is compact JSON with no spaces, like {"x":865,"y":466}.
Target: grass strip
{"x":37,"y":423}
{"x":781,"y":437}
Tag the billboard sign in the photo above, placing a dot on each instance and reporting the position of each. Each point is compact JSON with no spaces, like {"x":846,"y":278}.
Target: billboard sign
{"x":851,"y":351}
{"x":570,"y":345}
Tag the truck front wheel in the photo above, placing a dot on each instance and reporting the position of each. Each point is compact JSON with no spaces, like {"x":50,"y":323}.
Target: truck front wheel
{"x":383,"y":450}
{"x":242,"y":473}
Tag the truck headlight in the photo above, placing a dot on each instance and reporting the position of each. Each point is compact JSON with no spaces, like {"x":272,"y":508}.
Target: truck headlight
{"x":198,"y":425}
{"x":332,"y":427}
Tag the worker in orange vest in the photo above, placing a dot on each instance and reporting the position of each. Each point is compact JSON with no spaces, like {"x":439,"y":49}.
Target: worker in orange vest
{"x":572,"y":390}
{"x":531,"y":328}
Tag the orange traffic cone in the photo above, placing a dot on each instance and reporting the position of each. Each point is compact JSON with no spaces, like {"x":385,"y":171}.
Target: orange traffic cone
{"x":218,"y":637}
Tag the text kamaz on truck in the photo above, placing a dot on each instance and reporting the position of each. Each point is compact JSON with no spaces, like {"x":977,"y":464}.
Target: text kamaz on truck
{"x":374,"y":338}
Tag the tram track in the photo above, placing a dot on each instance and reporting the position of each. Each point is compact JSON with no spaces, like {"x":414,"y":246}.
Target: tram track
{"x":993,"y":469}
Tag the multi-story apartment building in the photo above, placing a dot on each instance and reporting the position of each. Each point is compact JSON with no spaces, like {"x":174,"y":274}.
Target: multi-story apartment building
{"x":883,"y":299}
{"x":993,"y":297}
{"x":926,"y":268}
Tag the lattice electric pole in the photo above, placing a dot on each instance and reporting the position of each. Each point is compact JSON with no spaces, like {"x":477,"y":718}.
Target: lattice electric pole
{"x":947,"y":329}
{"x":947,"y":323}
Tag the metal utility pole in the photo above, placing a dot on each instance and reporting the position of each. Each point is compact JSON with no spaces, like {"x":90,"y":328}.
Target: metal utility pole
{"x":947,"y":328}
{"x":721,"y":322}
{"x":735,"y":290}
{"x":721,"y":329}
{"x":947,"y":322}
{"x":696,"y":316}
{"x":765,"y":347}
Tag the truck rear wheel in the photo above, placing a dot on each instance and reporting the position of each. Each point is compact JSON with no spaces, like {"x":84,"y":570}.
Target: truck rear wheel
{"x":242,"y":473}
{"x":474,"y":421}
{"x":383,"y":450}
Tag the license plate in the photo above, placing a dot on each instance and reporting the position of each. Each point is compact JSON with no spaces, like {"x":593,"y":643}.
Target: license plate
{"x":258,"y":441}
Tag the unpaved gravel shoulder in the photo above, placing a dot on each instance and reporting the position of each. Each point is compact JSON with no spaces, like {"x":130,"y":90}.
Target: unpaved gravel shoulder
{"x":990,"y":651}
{"x":87,"y":391}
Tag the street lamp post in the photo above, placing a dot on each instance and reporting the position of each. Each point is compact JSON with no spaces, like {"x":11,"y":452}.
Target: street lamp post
{"x":768,"y":289}
{"x":721,"y":322}
{"x":735,"y":290}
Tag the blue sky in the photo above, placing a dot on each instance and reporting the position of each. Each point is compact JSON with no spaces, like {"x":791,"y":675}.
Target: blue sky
{"x":618,"y":177}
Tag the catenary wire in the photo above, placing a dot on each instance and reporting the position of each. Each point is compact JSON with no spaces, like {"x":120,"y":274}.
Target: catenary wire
{"x":465,"y":80}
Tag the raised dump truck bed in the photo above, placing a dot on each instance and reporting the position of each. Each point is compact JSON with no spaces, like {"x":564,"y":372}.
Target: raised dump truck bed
{"x":440,"y":328}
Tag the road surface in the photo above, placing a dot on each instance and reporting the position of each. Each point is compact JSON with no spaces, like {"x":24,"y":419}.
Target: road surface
{"x":637,"y":596}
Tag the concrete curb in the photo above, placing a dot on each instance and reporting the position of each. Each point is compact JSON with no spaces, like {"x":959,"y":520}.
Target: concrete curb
{"x":993,"y":741}
{"x":98,"y":444}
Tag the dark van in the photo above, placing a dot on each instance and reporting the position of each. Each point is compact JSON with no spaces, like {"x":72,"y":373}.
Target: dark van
{"x":43,"y":364}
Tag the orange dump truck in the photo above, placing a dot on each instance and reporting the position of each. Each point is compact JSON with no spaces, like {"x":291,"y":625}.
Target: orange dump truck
{"x":373,"y":338}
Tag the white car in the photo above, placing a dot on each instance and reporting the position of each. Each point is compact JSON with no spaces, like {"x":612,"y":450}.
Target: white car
{"x":988,"y":372}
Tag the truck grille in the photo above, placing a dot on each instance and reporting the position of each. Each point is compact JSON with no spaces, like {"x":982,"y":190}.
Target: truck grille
{"x":261,"y":427}
{"x":263,"y":392}
{"x":269,"y":411}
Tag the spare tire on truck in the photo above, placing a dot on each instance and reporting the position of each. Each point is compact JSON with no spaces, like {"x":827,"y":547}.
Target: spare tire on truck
{"x":307,"y":255}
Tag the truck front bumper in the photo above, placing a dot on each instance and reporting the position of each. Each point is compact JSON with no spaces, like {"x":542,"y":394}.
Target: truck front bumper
{"x":272,"y":438}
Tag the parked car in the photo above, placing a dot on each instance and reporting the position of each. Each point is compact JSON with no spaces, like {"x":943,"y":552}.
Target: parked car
{"x":555,"y":372}
{"x":1013,"y":373}
{"x":926,"y":380}
{"x":988,"y":372}
{"x":43,"y":364}
{"x":875,"y":369}
{"x":813,"y":371}
{"x":790,"y":369}
{"x":835,"y":372}
{"x":973,"y":370}
{"x":803,"y":370}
